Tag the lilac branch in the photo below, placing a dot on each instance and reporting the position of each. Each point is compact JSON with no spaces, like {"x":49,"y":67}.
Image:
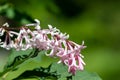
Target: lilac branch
{"x":51,"y":39}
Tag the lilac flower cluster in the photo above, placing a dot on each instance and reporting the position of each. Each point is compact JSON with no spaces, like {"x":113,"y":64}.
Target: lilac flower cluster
{"x":44,"y":39}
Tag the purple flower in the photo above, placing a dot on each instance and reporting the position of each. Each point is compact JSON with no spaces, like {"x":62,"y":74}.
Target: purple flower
{"x":51,"y":39}
{"x":71,"y":56}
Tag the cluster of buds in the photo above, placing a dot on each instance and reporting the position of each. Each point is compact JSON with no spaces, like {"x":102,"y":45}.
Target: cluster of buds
{"x":50,"y":39}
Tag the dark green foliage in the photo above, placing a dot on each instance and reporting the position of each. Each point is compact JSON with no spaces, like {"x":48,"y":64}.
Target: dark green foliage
{"x":28,"y":65}
{"x":11,"y":15}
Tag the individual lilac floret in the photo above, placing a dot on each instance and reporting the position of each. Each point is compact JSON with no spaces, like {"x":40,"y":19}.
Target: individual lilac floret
{"x":50,"y":39}
{"x":71,"y":56}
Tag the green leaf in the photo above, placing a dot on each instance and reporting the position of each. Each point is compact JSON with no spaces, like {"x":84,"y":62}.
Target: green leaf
{"x":21,"y":61}
{"x":30,"y":60}
{"x":15,"y":54}
{"x":60,"y":69}
{"x":30,"y":79}
{"x":26,"y":65}
{"x":54,"y":71}
{"x":84,"y":75}
{"x":15,"y":68}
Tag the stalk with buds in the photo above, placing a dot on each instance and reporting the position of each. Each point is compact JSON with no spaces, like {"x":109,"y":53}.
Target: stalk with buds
{"x":51,"y":39}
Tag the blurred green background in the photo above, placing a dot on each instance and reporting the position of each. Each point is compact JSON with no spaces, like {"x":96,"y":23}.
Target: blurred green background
{"x":97,"y":22}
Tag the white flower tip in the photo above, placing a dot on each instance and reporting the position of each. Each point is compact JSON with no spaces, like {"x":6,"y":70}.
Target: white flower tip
{"x":47,"y":54}
{"x":67,"y":36}
{"x":37,"y":21}
{"x":59,"y":62}
{"x":83,"y":42}
{"x":81,"y":55}
{"x":50,"y":26}
{"x":37,"y":24}
{"x":83,"y":45}
{"x":6,"y":24}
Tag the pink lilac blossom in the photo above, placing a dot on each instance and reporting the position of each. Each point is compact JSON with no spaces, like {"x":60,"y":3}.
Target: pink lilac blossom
{"x":51,"y":39}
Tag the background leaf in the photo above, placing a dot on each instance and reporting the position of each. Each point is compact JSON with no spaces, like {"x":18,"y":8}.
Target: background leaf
{"x":84,"y":75}
{"x":27,"y":64}
{"x":15,"y":54}
{"x":62,"y":71}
